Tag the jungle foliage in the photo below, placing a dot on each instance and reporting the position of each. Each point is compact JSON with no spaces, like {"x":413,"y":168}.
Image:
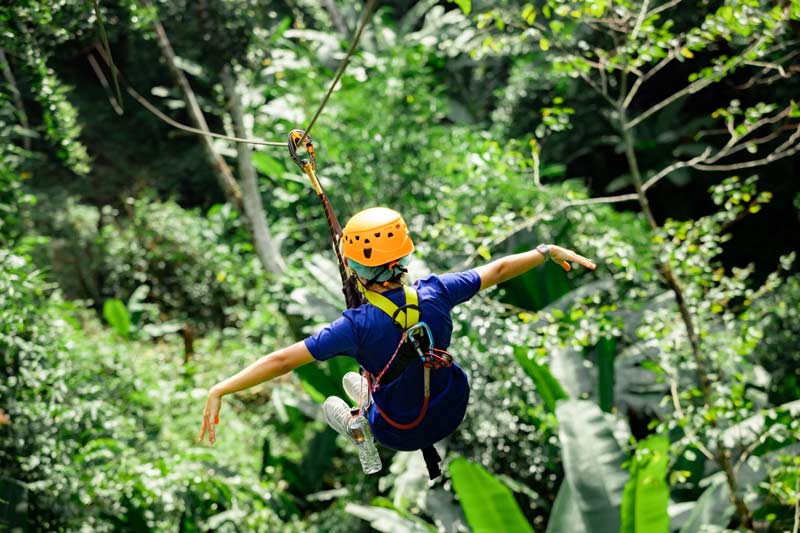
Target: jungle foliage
{"x":660,"y":138}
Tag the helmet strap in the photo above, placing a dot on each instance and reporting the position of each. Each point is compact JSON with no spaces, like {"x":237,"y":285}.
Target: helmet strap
{"x":386,"y":268}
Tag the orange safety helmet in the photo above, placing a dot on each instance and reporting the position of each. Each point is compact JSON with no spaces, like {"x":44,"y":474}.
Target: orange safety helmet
{"x":376,"y":236}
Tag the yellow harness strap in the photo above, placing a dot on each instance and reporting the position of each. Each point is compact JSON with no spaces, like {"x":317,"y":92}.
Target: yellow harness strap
{"x":405,"y":316}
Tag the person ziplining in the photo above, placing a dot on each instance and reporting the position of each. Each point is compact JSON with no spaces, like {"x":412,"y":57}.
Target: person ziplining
{"x":371,"y":336}
{"x":412,"y":393}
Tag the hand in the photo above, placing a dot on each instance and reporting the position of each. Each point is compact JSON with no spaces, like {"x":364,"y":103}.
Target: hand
{"x":563,"y":257}
{"x":210,"y":417}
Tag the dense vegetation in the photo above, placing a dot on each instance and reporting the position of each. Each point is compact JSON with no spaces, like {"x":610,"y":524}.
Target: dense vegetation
{"x":140,"y":264}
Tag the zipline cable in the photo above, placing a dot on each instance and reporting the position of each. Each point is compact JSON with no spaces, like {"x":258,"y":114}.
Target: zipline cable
{"x":353,"y":44}
{"x":175,"y":124}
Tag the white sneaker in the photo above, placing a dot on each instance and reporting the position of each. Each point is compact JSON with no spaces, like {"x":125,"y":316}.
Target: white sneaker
{"x":337,"y":414}
{"x":356,"y":388}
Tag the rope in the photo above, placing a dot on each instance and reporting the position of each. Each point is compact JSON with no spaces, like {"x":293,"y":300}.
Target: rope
{"x":144,"y":102}
{"x":353,"y":44}
{"x":175,"y":124}
{"x":106,"y":54}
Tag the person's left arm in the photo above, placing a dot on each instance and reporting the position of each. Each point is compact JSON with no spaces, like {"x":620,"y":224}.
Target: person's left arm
{"x":268,"y":367}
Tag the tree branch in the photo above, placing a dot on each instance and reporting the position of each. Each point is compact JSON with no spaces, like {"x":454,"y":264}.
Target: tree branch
{"x":691,"y":436}
{"x":783,"y":151}
{"x":694,"y":86}
{"x":664,"y":7}
{"x":649,"y":74}
{"x":104,"y":83}
{"x":529,"y":223}
{"x":689,"y":89}
{"x":640,"y":19}
{"x":673,"y":167}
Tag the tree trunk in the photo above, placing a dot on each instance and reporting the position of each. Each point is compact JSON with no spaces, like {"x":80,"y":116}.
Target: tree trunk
{"x":221,"y":169}
{"x":265,"y":245}
{"x":18,"y":103}
{"x":723,"y":456}
{"x":249,"y":203}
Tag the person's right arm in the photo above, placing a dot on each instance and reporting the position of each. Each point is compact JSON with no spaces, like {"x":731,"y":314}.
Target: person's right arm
{"x":511,"y":266}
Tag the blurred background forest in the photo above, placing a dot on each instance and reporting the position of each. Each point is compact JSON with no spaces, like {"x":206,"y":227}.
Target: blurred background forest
{"x":140,"y":264}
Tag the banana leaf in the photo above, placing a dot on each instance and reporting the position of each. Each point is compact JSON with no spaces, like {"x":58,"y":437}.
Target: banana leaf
{"x":606,"y":352}
{"x":592,"y":466}
{"x":646,"y":496}
{"x":546,"y":384}
{"x":565,"y":517}
{"x":488,"y":504}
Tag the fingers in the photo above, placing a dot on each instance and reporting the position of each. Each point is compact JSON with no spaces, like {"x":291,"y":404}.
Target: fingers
{"x":203,"y":429}
{"x":212,"y":433}
{"x":588,"y":263}
{"x":568,"y":255}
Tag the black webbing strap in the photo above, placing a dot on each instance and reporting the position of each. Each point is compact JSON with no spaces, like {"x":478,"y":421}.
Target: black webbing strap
{"x":432,"y":461}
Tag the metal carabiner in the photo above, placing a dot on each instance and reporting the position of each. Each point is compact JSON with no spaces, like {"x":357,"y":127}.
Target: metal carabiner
{"x":295,"y":136}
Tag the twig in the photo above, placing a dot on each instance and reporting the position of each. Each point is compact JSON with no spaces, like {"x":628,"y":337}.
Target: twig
{"x":692,"y":87}
{"x":757,"y":141}
{"x":673,"y":167}
{"x":692,"y":437}
{"x":782,"y":152}
{"x":599,"y":90}
{"x":640,"y":19}
{"x":736,"y":137}
{"x":641,"y":79}
{"x":104,"y":82}
{"x":689,"y":89}
{"x":748,"y":451}
{"x":664,"y":7}
{"x":104,"y":37}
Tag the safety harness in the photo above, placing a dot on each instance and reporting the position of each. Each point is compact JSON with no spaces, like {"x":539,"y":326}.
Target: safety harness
{"x":416,"y":342}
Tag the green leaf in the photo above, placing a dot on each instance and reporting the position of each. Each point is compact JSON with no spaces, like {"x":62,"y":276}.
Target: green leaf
{"x":546,"y":384}
{"x":117,"y":316}
{"x":488,"y":504}
{"x":646,"y":495}
{"x":321,"y":381}
{"x":266,"y":164}
{"x":592,"y":464}
{"x":465,"y":5}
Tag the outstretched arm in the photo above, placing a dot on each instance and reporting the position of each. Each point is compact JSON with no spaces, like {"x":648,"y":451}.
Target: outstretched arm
{"x":511,"y":266}
{"x":268,"y":367}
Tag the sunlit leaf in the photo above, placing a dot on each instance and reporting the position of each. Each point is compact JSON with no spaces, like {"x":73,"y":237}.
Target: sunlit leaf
{"x":117,"y":316}
{"x":487,"y":503}
{"x":646,"y":495}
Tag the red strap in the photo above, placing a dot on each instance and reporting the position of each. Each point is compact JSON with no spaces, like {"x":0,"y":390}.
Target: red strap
{"x":410,"y":425}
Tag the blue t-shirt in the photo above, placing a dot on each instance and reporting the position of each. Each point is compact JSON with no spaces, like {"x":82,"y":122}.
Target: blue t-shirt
{"x":367,"y":334}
